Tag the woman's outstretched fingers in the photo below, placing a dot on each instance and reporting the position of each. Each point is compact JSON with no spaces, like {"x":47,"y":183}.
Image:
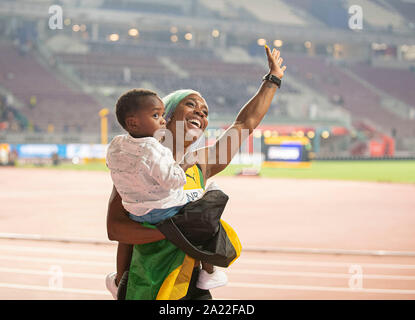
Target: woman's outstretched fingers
{"x":268,"y":51}
{"x":275,"y":61}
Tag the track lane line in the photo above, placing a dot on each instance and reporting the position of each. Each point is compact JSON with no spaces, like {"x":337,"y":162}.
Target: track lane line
{"x":56,"y":290}
{"x":318,"y":274}
{"x":316,"y":288}
{"x":230,"y":284}
{"x":232,"y":272}
{"x":56,"y":250}
{"x":322,"y":264}
{"x":241,"y":261}
{"x":57,"y":261}
{"x":49,"y":273}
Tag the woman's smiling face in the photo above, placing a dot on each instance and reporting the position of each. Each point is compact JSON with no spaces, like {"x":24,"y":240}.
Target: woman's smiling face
{"x":193,"y":111}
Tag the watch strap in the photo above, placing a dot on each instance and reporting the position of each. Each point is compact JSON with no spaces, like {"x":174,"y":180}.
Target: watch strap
{"x":273,"y":78}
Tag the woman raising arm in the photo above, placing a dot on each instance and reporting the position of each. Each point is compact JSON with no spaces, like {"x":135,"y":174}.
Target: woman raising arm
{"x":188,"y":108}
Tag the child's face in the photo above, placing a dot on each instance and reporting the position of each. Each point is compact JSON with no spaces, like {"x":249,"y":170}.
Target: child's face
{"x":149,"y":119}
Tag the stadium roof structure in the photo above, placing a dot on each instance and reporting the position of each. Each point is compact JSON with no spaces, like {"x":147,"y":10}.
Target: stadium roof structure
{"x":248,"y":28}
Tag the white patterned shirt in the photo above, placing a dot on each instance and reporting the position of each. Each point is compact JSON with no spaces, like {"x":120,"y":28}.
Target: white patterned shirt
{"x":145,"y":174}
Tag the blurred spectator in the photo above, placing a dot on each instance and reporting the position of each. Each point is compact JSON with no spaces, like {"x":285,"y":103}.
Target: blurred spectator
{"x":55,"y":159}
{"x":26,"y":37}
{"x":337,"y":99}
{"x":13,"y":157}
{"x":51,"y":128}
{"x":8,"y":120}
{"x":32,"y":102}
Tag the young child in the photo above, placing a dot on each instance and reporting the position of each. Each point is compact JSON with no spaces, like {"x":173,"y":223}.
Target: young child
{"x":146,"y":176}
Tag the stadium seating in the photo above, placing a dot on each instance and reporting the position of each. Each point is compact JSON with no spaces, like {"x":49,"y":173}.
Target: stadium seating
{"x":147,"y":6}
{"x":396,"y":82}
{"x":331,"y":13}
{"x":360,"y":101}
{"x":379,"y":16}
{"x":227,"y":86}
{"x":334,"y":13}
{"x":405,"y":8}
{"x":46,"y":99}
{"x":272,"y":11}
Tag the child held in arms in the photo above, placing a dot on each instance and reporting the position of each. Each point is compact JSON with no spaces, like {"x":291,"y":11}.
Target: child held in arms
{"x":147,"y":177}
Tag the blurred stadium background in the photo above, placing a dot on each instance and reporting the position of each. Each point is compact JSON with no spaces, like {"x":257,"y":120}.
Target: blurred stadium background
{"x":350,"y":92}
{"x":347,"y":94}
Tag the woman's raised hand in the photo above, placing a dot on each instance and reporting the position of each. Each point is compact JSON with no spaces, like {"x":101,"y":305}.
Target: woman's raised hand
{"x":274,"y":62}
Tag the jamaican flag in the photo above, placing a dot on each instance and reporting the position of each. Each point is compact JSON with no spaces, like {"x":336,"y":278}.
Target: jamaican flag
{"x":162,"y":270}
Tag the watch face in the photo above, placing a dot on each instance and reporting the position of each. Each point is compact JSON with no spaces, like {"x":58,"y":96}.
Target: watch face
{"x":276,"y":80}
{"x":273,"y":78}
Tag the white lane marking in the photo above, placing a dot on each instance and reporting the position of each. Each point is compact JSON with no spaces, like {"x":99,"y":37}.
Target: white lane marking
{"x":318,"y":274}
{"x":384,"y":253}
{"x":349,"y":252}
{"x":241,"y":261}
{"x":47,"y":273}
{"x":323,"y":264}
{"x":231,"y":272}
{"x":66,"y":240}
{"x":316,"y":288}
{"x":7,"y":194}
{"x":57,"y":261}
{"x":60,"y":290}
{"x":230,"y":284}
{"x":57,"y":250}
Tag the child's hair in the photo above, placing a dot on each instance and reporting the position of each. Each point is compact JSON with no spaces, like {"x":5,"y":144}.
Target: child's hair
{"x":129,"y":103}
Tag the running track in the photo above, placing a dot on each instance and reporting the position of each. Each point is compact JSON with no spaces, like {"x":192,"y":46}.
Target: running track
{"x":280,"y":213}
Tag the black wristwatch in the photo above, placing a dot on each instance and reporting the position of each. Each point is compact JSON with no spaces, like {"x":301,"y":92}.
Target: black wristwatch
{"x":272,"y":78}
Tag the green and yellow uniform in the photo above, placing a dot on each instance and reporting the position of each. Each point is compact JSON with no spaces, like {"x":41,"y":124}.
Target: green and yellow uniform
{"x":161,"y":271}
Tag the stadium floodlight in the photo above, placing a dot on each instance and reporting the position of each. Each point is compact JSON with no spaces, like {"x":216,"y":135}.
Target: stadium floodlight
{"x":133,"y":32}
{"x":215,"y":33}
{"x":325,"y":134}
{"x":278,"y":43}
{"x":261,"y":42}
{"x":188,"y":36}
{"x":114,"y":37}
{"x":379,"y":46}
{"x":257,"y":133}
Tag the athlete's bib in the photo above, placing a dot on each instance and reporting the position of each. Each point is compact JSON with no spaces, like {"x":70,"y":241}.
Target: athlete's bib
{"x":194,"y":186}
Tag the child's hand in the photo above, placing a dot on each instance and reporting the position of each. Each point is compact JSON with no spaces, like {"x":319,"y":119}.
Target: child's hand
{"x":274,"y":62}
